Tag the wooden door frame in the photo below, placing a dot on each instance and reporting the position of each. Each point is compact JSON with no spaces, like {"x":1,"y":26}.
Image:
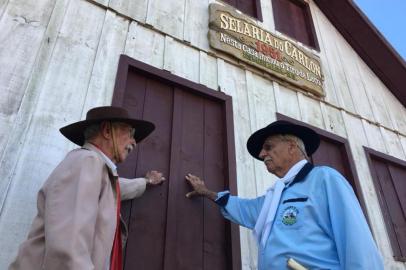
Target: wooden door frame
{"x":337,"y":140}
{"x":127,"y":63}
{"x":382,"y":202}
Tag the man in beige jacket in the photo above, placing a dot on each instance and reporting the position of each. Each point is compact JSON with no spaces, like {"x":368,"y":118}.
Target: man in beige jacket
{"x":78,"y":211}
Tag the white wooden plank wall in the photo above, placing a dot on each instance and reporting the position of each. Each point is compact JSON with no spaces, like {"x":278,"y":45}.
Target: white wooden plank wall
{"x":374,"y":89}
{"x":232,"y":82}
{"x":145,"y":45}
{"x":267,"y":16}
{"x":136,"y":10}
{"x":333,"y":120}
{"x":262,"y":109}
{"x":396,"y":112}
{"x":287,"y":101}
{"x":22,"y":120}
{"x":356,"y":86}
{"x":328,"y":38}
{"x":403,"y":142}
{"x":208,"y":70}
{"x":181,"y":60}
{"x":64,"y":62}
{"x":310,"y":111}
{"x":63,"y":88}
{"x":111,"y":45}
{"x":167,"y":16}
{"x":330,"y":88}
{"x":196,"y":22}
{"x":3,"y":5}
{"x":374,"y":136}
{"x":23,"y":27}
{"x":392,"y":143}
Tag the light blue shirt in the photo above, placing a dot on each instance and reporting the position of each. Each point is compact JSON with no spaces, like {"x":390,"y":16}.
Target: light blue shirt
{"x":319,"y":223}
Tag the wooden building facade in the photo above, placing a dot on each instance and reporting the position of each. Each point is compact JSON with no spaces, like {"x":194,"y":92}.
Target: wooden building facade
{"x":58,"y":58}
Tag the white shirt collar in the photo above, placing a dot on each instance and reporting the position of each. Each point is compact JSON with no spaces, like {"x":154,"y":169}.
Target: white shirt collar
{"x":293,"y":171}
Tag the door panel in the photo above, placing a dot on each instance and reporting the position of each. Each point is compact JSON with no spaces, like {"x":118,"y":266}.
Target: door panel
{"x":332,"y":153}
{"x":390,"y":183}
{"x":185,"y":220}
{"x":167,"y":230}
{"x":147,"y":216}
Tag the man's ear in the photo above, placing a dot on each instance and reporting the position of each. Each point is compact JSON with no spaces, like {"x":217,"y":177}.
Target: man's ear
{"x":105,"y":130}
{"x":292,"y":147}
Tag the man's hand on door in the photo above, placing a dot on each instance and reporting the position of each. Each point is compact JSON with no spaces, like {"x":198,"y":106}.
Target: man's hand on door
{"x":199,"y":188}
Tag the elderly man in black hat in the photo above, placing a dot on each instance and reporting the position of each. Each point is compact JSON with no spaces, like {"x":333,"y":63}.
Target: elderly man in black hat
{"x":78,"y":225}
{"x":310,"y":215}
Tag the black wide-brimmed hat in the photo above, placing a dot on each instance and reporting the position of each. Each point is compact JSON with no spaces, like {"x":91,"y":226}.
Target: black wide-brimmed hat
{"x":309,"y":137}
{"x":75,"y":132}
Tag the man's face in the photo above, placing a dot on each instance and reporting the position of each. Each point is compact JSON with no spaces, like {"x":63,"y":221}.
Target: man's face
{"x":125,"y":140}
{"x":276,"y":155}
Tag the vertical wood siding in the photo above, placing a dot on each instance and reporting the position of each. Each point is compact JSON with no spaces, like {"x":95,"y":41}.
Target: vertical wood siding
{"x":22,"y":30}
{"x":145,"y":45}
{"x":232,"y":81}
{"x":59,"y":58}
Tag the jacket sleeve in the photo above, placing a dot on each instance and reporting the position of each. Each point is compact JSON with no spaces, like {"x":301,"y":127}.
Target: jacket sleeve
{"x":132,"y":188}
{"x":244,"y":212}
{"x":70,"y":213}
{"x":355,"y":245}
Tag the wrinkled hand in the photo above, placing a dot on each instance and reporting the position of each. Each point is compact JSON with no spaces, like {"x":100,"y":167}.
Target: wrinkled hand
{"x":154,"y":178}
{"x":199,"y":187}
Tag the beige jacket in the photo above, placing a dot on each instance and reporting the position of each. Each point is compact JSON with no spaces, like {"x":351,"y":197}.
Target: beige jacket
{"x":75,"y":224}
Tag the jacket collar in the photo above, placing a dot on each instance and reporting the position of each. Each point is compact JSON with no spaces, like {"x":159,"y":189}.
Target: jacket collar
{"x":301,"y":175}
{"x":109,"y":163}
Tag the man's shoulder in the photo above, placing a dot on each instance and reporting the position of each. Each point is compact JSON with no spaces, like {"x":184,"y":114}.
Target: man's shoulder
{"x":79,"y":152}
{"x":75,"y":161}
{"x":323,"y":169}
{"x":328,"y":175}
{"x":80,"y":155}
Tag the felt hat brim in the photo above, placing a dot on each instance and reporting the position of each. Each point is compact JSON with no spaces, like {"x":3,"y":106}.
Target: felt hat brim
{"x":75,"y":132}
{"x":309,"y":137}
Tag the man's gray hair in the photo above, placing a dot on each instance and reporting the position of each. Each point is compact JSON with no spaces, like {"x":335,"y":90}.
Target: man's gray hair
{"x":91,"y":131}
{"x":299,"y":143}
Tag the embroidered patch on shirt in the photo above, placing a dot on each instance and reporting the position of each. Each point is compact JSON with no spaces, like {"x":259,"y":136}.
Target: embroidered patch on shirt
{"x":289,"y":216}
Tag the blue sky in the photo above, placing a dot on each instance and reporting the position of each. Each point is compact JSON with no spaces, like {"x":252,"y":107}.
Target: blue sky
{"x":389,"y":17}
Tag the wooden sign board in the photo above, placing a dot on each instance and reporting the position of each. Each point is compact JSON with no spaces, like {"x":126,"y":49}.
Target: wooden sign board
{"x":240,"y":36}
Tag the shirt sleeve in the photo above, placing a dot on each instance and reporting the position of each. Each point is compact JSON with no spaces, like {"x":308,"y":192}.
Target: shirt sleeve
{"x":244,"y":212}
{"x":132,"y":188}
{"x":355,"y":245}
{"x":72,"y":201}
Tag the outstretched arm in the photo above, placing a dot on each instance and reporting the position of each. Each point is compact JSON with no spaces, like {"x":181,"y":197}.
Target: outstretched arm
{"x":241,"y":211}
{"x":134,"y":188}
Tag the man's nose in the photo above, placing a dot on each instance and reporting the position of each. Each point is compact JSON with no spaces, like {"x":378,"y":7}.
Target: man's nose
{"x":262,"y":154}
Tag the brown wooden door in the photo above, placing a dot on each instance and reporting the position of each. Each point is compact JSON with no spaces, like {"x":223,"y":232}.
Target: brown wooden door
{"x":333,"y":153}
{"x":167,"y":230}
{"x":389,"y":175}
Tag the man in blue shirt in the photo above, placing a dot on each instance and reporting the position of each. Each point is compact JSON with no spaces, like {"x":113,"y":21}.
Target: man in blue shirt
{"x":310,"y":214}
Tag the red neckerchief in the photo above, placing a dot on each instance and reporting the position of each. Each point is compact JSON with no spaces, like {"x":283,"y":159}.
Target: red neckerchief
{"x":116,"y":257}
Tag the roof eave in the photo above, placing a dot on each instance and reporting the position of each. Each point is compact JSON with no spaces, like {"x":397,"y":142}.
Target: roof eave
{"x":370,"y":45}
